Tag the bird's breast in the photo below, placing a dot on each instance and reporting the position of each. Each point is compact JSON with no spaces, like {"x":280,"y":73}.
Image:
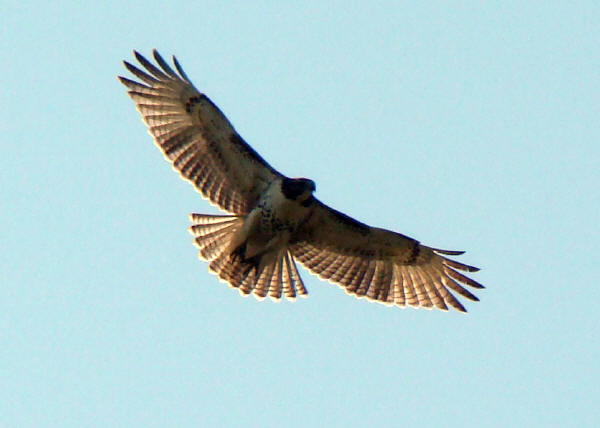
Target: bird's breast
{"x":278,"y":214}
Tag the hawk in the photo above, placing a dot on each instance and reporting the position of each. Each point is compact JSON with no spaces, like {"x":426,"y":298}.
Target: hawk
{"x":273,"y":220}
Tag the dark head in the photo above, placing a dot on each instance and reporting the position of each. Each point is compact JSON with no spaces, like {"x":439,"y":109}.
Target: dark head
{"x":298,"y":189}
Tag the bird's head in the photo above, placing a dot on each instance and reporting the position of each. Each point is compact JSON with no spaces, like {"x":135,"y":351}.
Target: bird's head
{"x":298,"y":189}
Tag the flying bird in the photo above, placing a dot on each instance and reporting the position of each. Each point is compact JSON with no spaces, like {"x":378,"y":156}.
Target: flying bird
{"x":273,"y":220}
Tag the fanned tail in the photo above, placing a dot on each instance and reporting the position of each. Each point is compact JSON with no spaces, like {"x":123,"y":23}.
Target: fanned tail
{"x":273,"y":275}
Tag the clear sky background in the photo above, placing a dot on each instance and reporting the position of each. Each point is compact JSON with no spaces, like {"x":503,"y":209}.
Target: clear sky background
{"x":469,"y":126}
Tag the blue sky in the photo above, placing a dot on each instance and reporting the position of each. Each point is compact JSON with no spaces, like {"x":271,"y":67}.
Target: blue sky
{"x":470,"y":126}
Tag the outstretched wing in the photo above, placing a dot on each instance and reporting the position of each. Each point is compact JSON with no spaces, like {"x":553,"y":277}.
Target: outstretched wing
{"x":379,"y":264}
{"x":196,"y":137}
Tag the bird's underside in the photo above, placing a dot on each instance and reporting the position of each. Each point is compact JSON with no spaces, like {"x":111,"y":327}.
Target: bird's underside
{"x":274,"y":221}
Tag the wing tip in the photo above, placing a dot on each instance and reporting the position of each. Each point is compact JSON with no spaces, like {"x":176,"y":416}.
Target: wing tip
{"x":138,"y":55}
{"x":448,"y":252}
{"x":459,"y":266}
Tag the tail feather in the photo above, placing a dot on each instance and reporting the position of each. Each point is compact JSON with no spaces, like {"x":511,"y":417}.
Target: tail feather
{"x":263,"y":283}
{"x":275,"y":284}
{"x":296,"y":286}
{"x":249,"y":278}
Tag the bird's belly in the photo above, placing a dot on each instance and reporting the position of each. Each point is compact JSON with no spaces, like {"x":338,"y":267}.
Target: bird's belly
{"x":268,"y":228}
